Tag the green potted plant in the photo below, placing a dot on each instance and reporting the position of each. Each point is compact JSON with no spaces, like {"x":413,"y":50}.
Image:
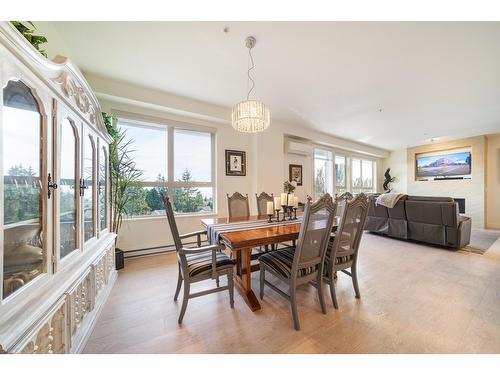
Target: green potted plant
{"x":124,"y":175}
{"x":29,"y":33}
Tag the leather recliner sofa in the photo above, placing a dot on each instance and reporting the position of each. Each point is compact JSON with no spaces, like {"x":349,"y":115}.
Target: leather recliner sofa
{"x":434,"y":220}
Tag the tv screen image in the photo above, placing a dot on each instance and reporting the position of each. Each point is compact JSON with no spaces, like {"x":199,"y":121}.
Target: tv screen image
{"x":452,"y":164}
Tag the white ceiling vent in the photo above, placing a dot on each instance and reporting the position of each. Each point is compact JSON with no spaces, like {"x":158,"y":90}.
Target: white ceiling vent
{"x":298,"y":148}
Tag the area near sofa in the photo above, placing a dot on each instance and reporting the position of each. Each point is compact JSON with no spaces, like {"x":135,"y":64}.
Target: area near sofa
{"x":434,"y":220}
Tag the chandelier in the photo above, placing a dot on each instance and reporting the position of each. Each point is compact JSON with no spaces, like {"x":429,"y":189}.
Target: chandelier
{"x":250,"y":116}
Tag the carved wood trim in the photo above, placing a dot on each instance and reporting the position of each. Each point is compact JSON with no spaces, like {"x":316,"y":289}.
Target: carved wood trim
{"x":60,"y":74}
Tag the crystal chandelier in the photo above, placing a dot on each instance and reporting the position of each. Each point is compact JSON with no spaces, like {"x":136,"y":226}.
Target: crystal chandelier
{"x":250,"y":116}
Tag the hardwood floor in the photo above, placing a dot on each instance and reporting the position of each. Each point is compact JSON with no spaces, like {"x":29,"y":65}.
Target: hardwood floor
{"x":414,"y":299}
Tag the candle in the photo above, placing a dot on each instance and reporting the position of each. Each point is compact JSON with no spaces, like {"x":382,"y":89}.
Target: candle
{"x":295,"y":202}
{"x":277,"y":204}
{"x":283,"y":199}
{"x":290,"y":199}
{"x":270,"y":208}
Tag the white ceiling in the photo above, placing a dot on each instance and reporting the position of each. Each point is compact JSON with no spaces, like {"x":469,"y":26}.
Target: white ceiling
{"x":390,"y":85}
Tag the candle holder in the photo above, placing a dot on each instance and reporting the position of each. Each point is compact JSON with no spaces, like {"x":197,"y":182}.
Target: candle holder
{"x":277,"y":214}
{"x":270,"y":218}
{"x":295,"y":213}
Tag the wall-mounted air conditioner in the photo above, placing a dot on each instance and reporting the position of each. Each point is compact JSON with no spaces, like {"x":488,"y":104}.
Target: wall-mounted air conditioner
{"x":293,"y":147}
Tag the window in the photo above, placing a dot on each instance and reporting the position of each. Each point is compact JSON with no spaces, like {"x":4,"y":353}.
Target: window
{"x":362,"y":172}
{"x":340,"y":180}
{"x":323,"y":173}
{"x":184,"y":170}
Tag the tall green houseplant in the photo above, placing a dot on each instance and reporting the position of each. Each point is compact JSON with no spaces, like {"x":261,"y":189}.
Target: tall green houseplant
{"x":124,"y":174}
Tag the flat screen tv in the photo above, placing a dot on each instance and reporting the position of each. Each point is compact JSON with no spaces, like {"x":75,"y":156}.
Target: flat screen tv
{"x":444,"y":165}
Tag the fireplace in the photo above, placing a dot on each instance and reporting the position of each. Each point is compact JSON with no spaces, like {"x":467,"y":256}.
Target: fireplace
{"x":461,"y":204}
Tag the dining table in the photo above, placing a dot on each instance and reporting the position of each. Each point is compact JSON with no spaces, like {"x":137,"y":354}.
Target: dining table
{"x":241,"y":242}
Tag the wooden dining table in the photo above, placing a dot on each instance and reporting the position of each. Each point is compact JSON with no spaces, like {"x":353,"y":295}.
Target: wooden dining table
{"x":241,"y":242}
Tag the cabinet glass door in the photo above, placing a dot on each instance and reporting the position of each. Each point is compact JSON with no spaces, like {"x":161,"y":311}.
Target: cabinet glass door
{"x":103,"y":176}
{"x":88,"y":186}
{"x":24,"y":250}
{"x":67,"y":188}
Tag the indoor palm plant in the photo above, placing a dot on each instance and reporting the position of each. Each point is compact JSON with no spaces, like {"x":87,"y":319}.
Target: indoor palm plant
{"x":123,"y":172}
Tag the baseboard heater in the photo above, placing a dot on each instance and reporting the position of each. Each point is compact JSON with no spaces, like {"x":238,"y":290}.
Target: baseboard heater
{"x":152,"y":250}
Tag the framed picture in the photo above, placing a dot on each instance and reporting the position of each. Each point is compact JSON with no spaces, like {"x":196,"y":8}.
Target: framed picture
{"x":295,"y":173}
{"x":236,"y":163}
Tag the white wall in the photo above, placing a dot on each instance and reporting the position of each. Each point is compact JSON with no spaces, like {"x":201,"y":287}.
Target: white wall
{"x":493,"y":182}
{"x":266,"y":159}
{"x":399,"y":170}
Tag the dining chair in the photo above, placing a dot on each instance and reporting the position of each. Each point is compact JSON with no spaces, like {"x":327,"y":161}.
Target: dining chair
{"x":198,"y":263}
{"x":304,"y":263}
{"x":341,"y":202}
{"x":237,"y":205}
{"x":342,"y":252}
{"x":262,"y":200}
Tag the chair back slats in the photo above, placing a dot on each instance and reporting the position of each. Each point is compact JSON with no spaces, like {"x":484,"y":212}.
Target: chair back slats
{"x":262,"y":200}
{"x":315,"y":231}
{"x":237,"y":205}
{"x":350,"y":227}
{"x":171,"y":221}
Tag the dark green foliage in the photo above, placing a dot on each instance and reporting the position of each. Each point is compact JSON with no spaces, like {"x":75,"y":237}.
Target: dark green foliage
{"x":187,"y":199}
{"x":28,"y":33}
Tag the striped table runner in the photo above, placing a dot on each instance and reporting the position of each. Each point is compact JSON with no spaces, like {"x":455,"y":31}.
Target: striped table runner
{"x":215,"y":230}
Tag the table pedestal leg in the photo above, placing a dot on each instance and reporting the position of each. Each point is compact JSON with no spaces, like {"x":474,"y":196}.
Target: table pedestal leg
{"x":243,"y":278}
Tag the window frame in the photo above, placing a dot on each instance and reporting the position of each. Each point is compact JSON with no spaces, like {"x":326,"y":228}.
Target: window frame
{"x":333,"y":171}
{"x":170,"y":183}
{"x":363,"y":188}
{"x":335,"y":156}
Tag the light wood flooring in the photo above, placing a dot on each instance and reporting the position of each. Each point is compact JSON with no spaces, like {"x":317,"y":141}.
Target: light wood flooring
{"x":414,"y":299}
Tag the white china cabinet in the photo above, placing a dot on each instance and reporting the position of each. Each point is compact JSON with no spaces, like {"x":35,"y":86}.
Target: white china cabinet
{"x":56,"y":251}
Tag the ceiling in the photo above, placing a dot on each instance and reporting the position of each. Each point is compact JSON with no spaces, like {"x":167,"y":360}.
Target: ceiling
{"x":386,"y":84}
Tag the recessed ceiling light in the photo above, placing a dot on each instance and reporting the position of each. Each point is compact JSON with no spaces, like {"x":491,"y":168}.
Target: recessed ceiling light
{"x":226,"y":29}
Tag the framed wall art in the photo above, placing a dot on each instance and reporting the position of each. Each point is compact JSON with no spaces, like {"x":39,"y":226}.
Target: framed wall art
{"x":236,"y":163}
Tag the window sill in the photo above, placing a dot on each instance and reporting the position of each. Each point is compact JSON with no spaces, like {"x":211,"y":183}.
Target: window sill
{"x":184,"y":215}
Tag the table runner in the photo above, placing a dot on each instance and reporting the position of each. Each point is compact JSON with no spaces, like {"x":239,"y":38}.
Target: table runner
{"x":215,"y":230}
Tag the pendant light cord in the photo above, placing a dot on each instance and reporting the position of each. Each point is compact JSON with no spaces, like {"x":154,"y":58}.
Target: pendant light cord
{"x":250,"y":59}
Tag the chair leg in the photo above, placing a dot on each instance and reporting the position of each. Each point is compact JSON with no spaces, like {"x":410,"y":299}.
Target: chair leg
{"x":319,"y":286}
{"x":332,"y":291}
{"x":293,"y":303}
{"x":230,"y":284}
{"x":184,"y":301}
{"x":217,"y":281}
{"x":262,"y":278}
{"x":354,"y":276}
{"x":179,"y":282}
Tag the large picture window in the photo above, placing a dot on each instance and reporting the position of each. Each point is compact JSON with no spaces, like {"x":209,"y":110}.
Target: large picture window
{"x":362,"y":172}
{"x":323,"y":172}
{"x":174,"y":161}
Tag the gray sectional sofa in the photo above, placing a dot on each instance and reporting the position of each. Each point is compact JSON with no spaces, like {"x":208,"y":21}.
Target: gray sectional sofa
{"x":434,"y":220}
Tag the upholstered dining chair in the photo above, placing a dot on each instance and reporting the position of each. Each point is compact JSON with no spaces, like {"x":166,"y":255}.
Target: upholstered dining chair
{"x":342,"y":252}
{"x":304,"y":263}
{"x":237,"y":205}
{"x":262,"y":200}
{"x":198,"y":263}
